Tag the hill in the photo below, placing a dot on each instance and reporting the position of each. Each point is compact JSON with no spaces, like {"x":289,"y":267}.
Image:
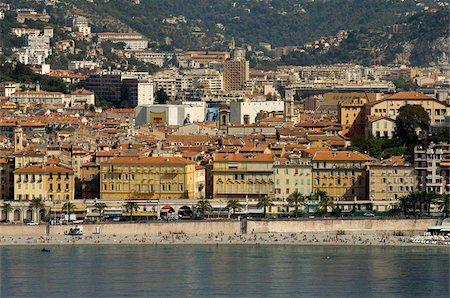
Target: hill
{"x":202,"y":24}
{"x":421,"y":41}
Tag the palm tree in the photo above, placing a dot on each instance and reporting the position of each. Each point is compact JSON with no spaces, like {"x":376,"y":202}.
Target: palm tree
{"x":414,"y":198}
{"x":295,"y":199}
{"x":264,"y":202}
{"x":444,"y":205}
{"x":428,"y":199}
{"x":131,"y":207}
{"x":234,"y":205}
{"x":7,"y":208}
{"x":68,"y":207}
{"x":203,"y":206}
{"x":404,"y":204}
{"x":101,"y":209}
{"x":37,"y":204}
{"x":324,"y":200}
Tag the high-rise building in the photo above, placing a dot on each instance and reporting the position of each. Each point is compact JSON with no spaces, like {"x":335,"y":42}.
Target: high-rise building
{"x":235,"y":75}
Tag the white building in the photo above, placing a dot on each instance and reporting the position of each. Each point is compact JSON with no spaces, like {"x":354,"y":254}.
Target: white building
{"x":185,"y":113}
{"x":140,"y":91}
{"x":31,"y":56}
{"x":246,"y":112}
{"x":73,"y":65}
{"x":132,"y":41}
{"x":38,"y":96}
{"x":81,"y":24}
{"x":7,"y":88}
{"x":81,"y":97}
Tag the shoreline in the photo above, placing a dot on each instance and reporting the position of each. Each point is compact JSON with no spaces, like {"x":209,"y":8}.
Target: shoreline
{"x":258,"y":239}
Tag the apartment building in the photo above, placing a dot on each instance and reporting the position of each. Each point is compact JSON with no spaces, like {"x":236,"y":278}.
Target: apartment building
{"x":390,"y":179}
{"x":235,"y":75}
{"x":6,"y":178}
{"x":156,"y":178}
{"x":351,"y":113}
{"x":432,"y":167}
{"x":242,"y":176}
{"x":390,"y":106}
{"x":132,"y":41}
{"x":105,"y":85}
{"x":343,"y":175}
{"x":292,"y":174}
{"x":50,"y":182}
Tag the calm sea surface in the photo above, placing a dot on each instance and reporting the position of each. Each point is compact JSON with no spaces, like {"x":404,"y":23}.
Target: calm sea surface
{"x":234,"y":270}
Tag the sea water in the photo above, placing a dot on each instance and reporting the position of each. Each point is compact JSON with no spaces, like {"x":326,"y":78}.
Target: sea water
{"x":224,"y":271}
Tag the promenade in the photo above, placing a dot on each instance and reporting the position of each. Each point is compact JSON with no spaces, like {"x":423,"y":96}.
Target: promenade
{"x":314,"y":231}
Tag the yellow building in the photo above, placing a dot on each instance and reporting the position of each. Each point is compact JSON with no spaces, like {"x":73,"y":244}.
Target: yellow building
{"x":51,"y":182}
{"x":292,"y":175}
{"x":343,"y":175}
{"x":351,"y":112}
{"x":242,"y":176}
{"x":389,"y":180}
{"x":390,"y":106}
{"x":147,"y":178}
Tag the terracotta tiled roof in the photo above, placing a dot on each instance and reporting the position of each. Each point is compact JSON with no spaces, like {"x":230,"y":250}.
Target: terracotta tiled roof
{"x":158,"y":160}
{"x":393,"y":160}
{"x":237,"y":157}
{"x":409,"y":95}
{"x":43,"y":169}
{"x":340,"y":156}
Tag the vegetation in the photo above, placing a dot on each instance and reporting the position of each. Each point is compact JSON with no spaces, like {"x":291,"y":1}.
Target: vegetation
{"x":131,"y":207}
{"x":7,"y":208}
{"x":161,"y":97}
{"x":417,"y":201}
{"x":234,"y":205}
{"x":444,"y":205}
{"x":203,"y":206}
{"x":410,"y":120}
{"x":295,"y":199}
{"x":264,"y":202}
{"x":37,"y":204}
{"x":14,"y":71}
{"x":68,"y":207}
{"x":324,"y":201}
{"x":376,"y":46}
{"x":101,"y":209}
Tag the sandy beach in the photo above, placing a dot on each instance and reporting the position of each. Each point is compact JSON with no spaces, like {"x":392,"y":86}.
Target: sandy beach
{"x":217,"y":239}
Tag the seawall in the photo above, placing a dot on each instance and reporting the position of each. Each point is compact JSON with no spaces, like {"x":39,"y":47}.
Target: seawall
{"x":348,"y":226}
{"x":354,"y":226}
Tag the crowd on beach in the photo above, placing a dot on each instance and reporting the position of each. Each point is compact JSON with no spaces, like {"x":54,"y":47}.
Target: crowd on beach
{"x":217,"y":238}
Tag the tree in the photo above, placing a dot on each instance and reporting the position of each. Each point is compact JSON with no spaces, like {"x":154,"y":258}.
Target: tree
{"x":7,"y":208}
{"x":295,"y":199}
{"x":203,"y":206}
{"x":412,"y":119}
{"x":428,"y":198}
{"x":264,"y":202}
{"x":101,"y":208}
{"x":68,"y":207}
{"x":161,"y":96}
{"x":37,"y":204}
{"x":324,"y":201}
{"x":234,"y":205}
{"x":444,"y":205}
{"x":404,"y":204}
{"x":131,"y":207}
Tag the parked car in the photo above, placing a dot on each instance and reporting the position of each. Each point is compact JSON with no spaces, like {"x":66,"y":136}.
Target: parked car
{"x":32,"y":223}
{"x":369,"y":214}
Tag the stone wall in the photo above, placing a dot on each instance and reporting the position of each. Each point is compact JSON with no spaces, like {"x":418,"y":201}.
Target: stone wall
{"x":347,"y":225}
{"x":154,"y":228}
{"x":232,"y":226}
